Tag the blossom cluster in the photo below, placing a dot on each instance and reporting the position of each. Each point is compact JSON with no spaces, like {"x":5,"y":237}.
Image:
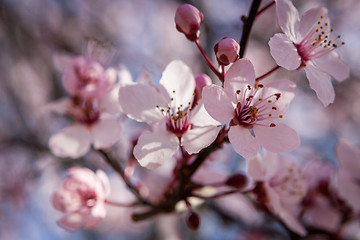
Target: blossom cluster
{"x":186,"y":120}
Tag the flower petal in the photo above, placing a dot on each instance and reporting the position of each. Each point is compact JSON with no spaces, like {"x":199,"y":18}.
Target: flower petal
{"x":218,"y":104}
{"x":179,"y":83}
{"x":73,"y":221}
{"x":320,"y":82}
{"x":105,"y":133}
{"x":139,"y":102}
{"x":349,"y":190}
{"x":243,"y":142}
{"x":239,"y":76}
{"x":198,"y":138}
{"x":72,"y":141}
{"x":283,"y":213}
{"x":286,"y":89}
{"x":110,"y":102}
{"x":332,"y":64}
{"x":280,"y":138}
{"x":153,"y":149}
{"x":201,"y":117}
{"x":257,"y":168}
{"x":309,"y":21}
{"x":284,"y":52}
{"x":348,"y":156}
{"x":288,"y":18}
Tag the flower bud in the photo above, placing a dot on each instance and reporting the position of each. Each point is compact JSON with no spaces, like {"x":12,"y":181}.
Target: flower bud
{"x":188,"y":20}
{"x":238,"y":181}
{"x":227,"y":51}
{"x":193,"y":220}
{"x":201,"y":81}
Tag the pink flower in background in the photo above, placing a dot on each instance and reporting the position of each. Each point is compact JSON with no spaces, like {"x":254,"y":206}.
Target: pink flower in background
{"x":320,"y":210}
{"x":307,"y":42}
{"x":86,"y":78}
{"x":96,"y":117}
{"x":285,"y":185}
{"x":347,"y":180}
{"x":82,"y":198}
{"x":96,"y":124}
{"x":249,"y":107}
{"x":169,"y":109}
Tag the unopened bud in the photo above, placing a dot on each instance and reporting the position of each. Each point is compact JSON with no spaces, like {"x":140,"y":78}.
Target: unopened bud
{"x":201,"y":81}
{"x":188,"y":20}
{"x":239,"y":181}
{"x":227,"y":51}
{"x":193,"y":220}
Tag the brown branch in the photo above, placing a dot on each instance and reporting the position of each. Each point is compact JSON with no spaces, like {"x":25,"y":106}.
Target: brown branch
{"x":248,"y":25}
{"x":117,"y":167}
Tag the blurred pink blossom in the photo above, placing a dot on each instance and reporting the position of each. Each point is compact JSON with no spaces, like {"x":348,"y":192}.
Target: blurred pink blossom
{"x":82,"y":198}
{"x":285,"y":185}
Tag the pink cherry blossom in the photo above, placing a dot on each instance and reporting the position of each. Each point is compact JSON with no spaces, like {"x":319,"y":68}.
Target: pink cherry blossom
{"x":347,"y":179}
{"x":170,"y":110}
{"x":82,"y":198}
{"x":320,"y":211}
{"x":308,"y":43}
{"x":96,"y":124}
{"x":86,"y":78}
{"x":285,"y":185}
{"x":252,"y":108}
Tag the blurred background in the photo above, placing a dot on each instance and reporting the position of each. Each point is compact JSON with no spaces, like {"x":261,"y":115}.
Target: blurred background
{"x":35,"y":34}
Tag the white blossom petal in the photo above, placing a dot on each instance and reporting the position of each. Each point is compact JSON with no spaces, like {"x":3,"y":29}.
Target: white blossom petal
{"x":73,"y":141}
{"x":179,"y":83}
{"x":105,"y":133}
{"x":139,"y":102}
{"x":154,"y":148}
{"x":198,"y":138}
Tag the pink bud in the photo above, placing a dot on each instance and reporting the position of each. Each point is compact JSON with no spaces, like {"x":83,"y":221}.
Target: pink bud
{"x":188,"y":20}
{"x":193,"y":220}
{"x":227,"y":51}
{"x":238,"y":181}
{"x":201,"y":81}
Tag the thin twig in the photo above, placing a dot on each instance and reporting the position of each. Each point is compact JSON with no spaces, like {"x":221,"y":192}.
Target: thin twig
{"x":117,"y":167}
{"x":247,"y":26}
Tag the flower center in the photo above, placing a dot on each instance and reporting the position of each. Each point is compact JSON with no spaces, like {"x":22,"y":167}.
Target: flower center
{"x":251,"y":109}
{"x":290,"y":182}
{"x":85,"y":111}
{"x":178,"y":118}
{"x":317,"y":42}
{"x":89,"y":198}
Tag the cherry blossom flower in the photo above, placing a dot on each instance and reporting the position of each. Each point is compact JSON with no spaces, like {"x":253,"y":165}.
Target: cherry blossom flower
{"x":320,"y":211}
{"x":96,"y":122}
{"x":285,"y":185}
{"x":252,"y":108}
{"x":169,"y":109}
{"x":308,"y":43}
{"x":82,"y":198}
{"x":347,"y":179}
{"x":86,"y":78}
